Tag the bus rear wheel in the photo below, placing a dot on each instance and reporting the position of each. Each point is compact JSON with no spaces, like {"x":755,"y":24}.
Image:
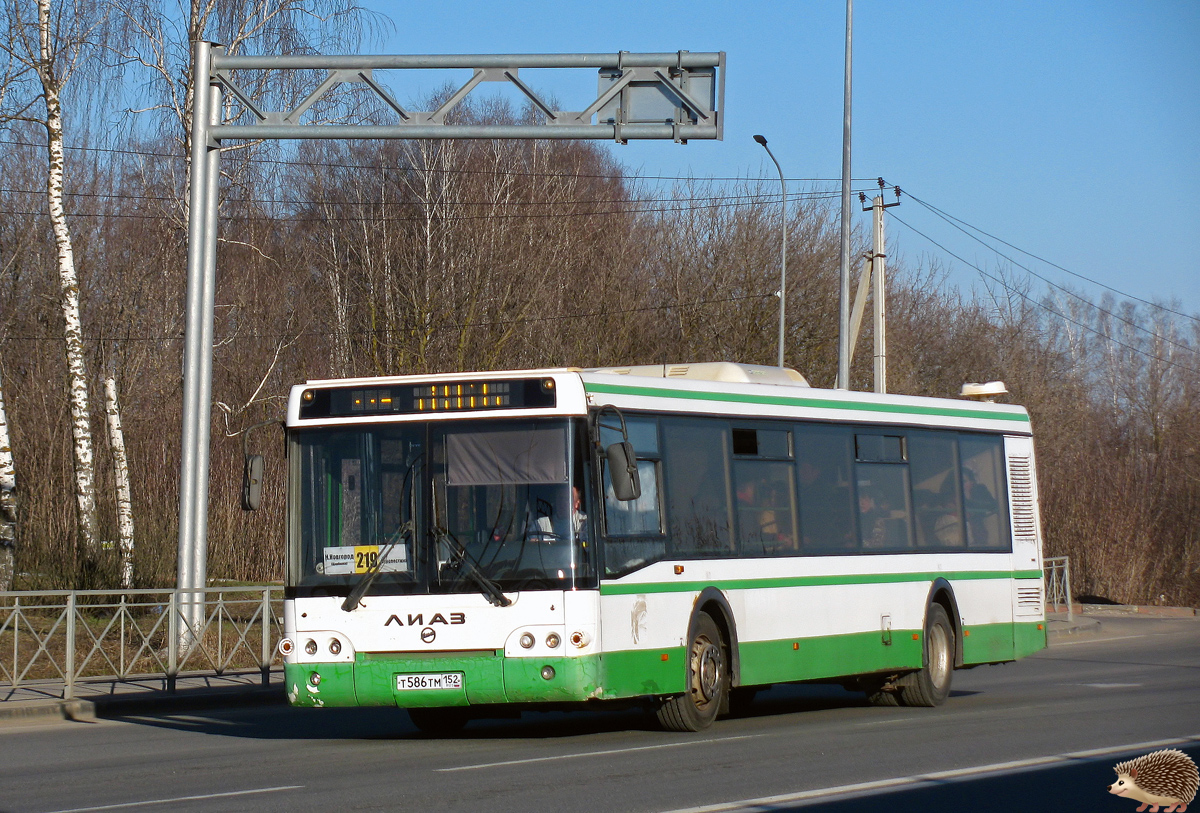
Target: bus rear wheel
{"x":930,"y":685}
{"x":707,"y":681}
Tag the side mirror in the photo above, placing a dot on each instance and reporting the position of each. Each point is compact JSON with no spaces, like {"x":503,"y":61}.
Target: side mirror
{"x":622,"y":469}
{"x":252,"y":482}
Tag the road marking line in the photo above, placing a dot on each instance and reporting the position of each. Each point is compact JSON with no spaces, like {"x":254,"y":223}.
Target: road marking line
{"x":1104,"y":640}
{"x":180,"y":799}
{"x":767,"y":803}
{"x":590,"y":754}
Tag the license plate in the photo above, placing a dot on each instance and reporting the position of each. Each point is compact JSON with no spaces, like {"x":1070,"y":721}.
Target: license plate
{"x":445,"y":680}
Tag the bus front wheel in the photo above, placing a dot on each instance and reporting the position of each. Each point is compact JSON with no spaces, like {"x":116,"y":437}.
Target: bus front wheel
{"x":707,"y":681}
{"x":930,"y":685}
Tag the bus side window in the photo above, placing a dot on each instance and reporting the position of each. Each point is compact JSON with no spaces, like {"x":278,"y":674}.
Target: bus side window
{"x":635,"y":527}
{"x":984,"y":493}
{"x":638,"y":517}
{"x":696,"y":477}
{"x":764,"y":482}
{"x":884,"y":513}
{"x":937,"y":499}
{"x":825,"y":474}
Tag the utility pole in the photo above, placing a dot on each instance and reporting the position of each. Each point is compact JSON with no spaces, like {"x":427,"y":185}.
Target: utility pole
{"x":843,"y":376}
{"x":783,"y":251}
{"x":876,"y":272}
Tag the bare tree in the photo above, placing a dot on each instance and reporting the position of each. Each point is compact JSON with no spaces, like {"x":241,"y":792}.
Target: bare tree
{"x":8,"y":501}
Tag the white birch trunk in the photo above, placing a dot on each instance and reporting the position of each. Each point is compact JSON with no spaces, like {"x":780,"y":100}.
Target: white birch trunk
{"x":8,"y":501}
{"x":121,"y":468}
{"x":81,"y":432}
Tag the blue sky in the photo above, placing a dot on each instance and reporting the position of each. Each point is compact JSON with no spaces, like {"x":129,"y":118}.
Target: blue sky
{"x":1070,"y":129}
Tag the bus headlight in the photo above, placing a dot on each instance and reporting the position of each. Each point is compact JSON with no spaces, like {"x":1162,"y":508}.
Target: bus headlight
{"x":310,"y":647}
{"x":335,"y":647}
{"x":527,"y":640}
{"x":552,"y":640}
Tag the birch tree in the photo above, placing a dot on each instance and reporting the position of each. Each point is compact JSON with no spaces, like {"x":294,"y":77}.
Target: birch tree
{"x":46,"y":44}
{"x":8,"y":501}
{"x":116,"y":437}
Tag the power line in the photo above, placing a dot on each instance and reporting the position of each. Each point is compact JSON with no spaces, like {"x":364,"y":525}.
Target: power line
{"x":407,"y":329}
{"x":449,"y":170}
{"x":448,"y":218}
{"x":1000,"y":281}
{"x":1132,"y":324}
{"x":954,"y":221}
{"x":753,"y":197}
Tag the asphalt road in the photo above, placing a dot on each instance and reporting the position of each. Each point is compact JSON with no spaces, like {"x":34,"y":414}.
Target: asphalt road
{"x":1009,"y":738}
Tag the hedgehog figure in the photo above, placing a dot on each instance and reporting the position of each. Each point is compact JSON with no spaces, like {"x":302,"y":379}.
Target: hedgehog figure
{"x":1163,"y":778}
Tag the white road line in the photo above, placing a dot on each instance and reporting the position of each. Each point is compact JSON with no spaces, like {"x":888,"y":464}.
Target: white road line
{"x":1057,"y":644}
{"x":767,"y":803}
{"x":148,"y":802}
{"x":589,"y":754}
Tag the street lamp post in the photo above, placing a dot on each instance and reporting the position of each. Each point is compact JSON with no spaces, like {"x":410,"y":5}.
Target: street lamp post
{"x":783,"y":252}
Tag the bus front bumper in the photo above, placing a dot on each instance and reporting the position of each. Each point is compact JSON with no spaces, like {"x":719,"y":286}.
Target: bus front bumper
{"x":399,"y":679}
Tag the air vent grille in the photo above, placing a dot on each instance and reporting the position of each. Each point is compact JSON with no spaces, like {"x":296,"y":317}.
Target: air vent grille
{"x":1020,"y":481}
{"x":1029,"y":597}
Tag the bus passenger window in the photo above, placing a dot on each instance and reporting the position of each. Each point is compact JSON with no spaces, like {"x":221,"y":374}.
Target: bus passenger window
{"x":883,"y":516}
{"x":825,"y":465}
{"x":937,"y":504}
{"x":697,"y":484}
{"x":766,"y":507}
{"x":984,"y":495}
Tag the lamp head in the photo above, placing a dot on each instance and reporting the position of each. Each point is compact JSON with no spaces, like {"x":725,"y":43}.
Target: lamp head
{"x":761,"y":140}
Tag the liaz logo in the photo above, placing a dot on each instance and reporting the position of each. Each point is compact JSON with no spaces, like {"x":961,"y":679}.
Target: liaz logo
{"x":418,"y":619}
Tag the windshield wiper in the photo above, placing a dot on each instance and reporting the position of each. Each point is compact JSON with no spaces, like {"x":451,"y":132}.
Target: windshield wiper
{"x":364,"y":584}
{"x":491,"y":590}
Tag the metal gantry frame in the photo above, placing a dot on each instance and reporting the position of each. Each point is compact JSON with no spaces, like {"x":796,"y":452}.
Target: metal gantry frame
{"x":677,"y":95}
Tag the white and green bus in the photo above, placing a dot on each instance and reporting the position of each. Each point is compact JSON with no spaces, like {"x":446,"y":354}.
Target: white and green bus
{"x":680,"y":535}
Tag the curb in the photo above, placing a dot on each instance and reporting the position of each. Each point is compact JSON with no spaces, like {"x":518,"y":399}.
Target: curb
{"x":115,"y":706}
{"x":1152,"y":610}
{"x":80,"y":710}
{"x":1134,"y":609}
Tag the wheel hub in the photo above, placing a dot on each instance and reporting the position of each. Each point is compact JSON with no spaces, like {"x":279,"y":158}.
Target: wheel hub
{"x":708,"y":670}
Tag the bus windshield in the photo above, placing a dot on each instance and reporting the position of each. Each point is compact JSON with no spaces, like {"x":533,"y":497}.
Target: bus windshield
{"x":439,"y":507}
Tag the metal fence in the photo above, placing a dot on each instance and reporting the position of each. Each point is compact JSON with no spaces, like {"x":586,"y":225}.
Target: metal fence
{"x":1058,"y":584}
{"x":62,"y":640}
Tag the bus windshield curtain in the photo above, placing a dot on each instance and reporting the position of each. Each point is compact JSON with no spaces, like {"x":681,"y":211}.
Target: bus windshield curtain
{"x":507,"y":456}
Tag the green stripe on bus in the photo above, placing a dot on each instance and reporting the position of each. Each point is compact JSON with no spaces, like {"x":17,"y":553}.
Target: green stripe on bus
{"x":811,"y":403}
{"x":616,"y":589}
{"x":632,"y":673}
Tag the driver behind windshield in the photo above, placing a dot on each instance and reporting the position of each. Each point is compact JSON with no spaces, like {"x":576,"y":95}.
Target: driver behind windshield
{"x":561,"y":523}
